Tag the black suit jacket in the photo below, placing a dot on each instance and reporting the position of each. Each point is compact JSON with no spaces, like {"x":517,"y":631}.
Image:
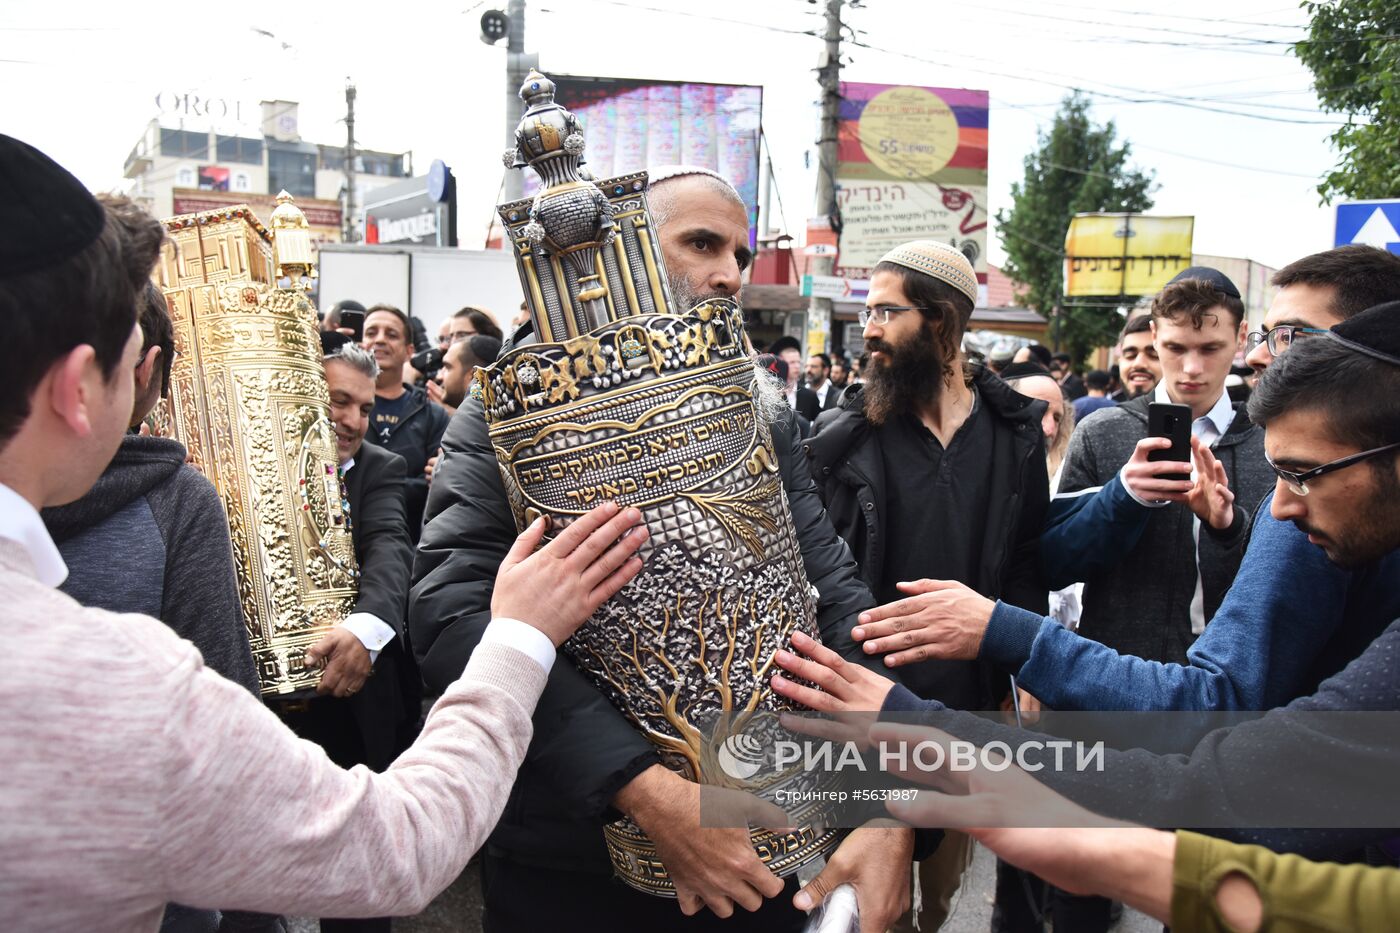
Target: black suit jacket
{"x":833,"y":398}
{"x":807,"y":405}
{"x":387,"y":709}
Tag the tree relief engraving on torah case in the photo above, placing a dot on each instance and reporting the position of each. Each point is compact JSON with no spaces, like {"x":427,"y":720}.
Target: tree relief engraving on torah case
{"x":622,"y":396}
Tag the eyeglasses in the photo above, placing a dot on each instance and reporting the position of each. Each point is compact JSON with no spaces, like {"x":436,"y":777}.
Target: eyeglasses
{"x":880,"y":314}
{"x":1298,"y":482}
{"x":1279,"y":339}
{"x":457,"y":336}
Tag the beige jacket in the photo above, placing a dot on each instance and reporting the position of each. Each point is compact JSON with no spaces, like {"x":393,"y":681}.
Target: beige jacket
{"x":133,"y":776}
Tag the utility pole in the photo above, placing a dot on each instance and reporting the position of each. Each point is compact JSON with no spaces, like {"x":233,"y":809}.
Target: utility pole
{"x":829,"y":77}
{"x":348,"y":221}
{"x":516,"y":69}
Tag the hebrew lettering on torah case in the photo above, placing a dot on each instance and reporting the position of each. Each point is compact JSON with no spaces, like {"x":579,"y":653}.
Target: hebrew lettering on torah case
{"x":625,"y":397}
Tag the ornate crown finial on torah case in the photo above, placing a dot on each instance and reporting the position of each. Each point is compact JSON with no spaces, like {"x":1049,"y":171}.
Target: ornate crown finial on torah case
{"x":625,"y":397}
{"x":586,"y":252}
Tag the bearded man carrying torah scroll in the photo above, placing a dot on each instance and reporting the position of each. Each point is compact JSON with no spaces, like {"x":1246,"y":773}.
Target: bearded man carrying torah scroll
{"x":590,"y":763}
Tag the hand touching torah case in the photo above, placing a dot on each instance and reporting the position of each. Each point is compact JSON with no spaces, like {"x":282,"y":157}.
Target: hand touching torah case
{"x":627,"y":398}
{"x":249,"y":401}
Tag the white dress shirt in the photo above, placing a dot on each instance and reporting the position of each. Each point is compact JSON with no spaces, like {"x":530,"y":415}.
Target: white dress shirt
{"x":20,"y":522}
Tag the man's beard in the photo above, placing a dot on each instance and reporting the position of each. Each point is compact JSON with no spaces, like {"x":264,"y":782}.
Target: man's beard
{"x":1133,"y":390}
{"x":769,"y":396}
{"x":1375,"y":534}
{"x":913,"y":375}
{"x":684,"y":297}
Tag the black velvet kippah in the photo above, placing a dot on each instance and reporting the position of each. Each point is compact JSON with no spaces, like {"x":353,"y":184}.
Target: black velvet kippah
{"x":332,"y":341}
{"x":1375,"y":332}
{"x":1219,"y":280}
{"x":46,"y":215}
{"x":1023,"y":370}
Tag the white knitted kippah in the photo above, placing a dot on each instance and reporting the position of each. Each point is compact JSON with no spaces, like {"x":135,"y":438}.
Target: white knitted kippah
{"x":678,"y":171}
{"x":938,"y":260}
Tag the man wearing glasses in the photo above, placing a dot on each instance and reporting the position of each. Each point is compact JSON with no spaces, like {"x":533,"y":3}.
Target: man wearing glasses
{"x":1331,"y":411}
{"x":1317,"y":292}
{"x":1318,"y":581}
{"x":934,"y":469}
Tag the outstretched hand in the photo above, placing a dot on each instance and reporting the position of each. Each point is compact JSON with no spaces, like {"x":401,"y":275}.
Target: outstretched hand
{"x":943,"y":619}
{"x":558,"y":587}
{"x":1032,"y":826}
{"x":845,"y":687}
{"x":1210,"y":497}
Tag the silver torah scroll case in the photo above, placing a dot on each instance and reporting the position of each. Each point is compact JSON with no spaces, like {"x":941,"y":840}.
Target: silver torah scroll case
{"x":626,"y":397}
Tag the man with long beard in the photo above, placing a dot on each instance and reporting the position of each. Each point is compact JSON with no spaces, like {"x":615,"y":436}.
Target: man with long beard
{"x":546,"y":866}
{"x":934,"y":470}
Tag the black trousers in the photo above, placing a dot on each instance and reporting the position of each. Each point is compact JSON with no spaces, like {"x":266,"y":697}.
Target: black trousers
{"x":526,"y":899}
{"x":331,"y":724}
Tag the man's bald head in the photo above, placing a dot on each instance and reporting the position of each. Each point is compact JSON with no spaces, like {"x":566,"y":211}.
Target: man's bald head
{"x":703,"y":228}
{"x":666,"y":183}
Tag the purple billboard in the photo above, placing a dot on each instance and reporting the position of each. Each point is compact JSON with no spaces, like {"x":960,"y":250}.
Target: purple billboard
{"x":632,"y":125}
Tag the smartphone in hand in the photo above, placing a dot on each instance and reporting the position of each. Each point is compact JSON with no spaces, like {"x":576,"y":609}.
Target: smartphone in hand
{"x":1173,"y":422}
{"x":355,"y":320}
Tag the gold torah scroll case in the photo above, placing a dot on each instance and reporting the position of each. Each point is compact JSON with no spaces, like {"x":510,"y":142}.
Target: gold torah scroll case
{"x":624,"y":396}
{"x":248,"y":399}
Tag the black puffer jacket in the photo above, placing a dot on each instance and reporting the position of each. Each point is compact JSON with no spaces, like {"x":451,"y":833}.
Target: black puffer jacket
{"x":849,"y":467}
{"x":583,"y":750}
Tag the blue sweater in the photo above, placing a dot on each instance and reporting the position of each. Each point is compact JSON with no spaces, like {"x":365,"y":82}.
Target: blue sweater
{"x":1302,"y":759}
{"x":1291,"y":620}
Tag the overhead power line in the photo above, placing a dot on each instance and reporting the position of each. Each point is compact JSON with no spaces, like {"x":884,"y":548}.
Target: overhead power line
{"x":705,"y":16}
{"x":1194,"y":19}
{"x":1180,"y":155}
{"x":1243,"y":40}
{"x":1188,"y":104}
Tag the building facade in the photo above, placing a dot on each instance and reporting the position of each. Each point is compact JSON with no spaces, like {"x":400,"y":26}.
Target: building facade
{"x":172,"y":167}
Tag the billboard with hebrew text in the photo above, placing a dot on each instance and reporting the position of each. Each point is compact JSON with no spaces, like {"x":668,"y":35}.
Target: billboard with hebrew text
{"x":636,"y":124}
{"x":911,"y":165}
{"x":1125,"y":254}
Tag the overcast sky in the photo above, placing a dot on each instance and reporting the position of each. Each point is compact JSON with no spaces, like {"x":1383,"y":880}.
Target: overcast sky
{"x":79,"y":81}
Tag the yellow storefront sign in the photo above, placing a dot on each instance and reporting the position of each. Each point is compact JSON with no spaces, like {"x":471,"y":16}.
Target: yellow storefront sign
{"x":1125,"y":254}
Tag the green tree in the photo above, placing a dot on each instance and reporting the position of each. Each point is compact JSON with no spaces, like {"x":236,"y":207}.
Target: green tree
{"x":1078,"y":167}
{"x":1353,"y":52}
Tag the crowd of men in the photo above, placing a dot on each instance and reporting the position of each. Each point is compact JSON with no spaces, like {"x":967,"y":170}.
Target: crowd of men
{"x":981,"y":536}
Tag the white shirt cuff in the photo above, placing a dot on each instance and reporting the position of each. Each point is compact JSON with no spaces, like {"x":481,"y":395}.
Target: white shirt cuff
{"x":1134,"y":496}
{"x":526,"y":639}
{"x":373,"y":632}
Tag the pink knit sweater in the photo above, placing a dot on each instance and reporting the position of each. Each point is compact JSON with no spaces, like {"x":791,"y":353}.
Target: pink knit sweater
{"x":131,"y":776}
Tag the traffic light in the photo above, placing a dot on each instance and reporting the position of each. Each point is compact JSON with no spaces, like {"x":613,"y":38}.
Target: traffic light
{"x":494,"y":26}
